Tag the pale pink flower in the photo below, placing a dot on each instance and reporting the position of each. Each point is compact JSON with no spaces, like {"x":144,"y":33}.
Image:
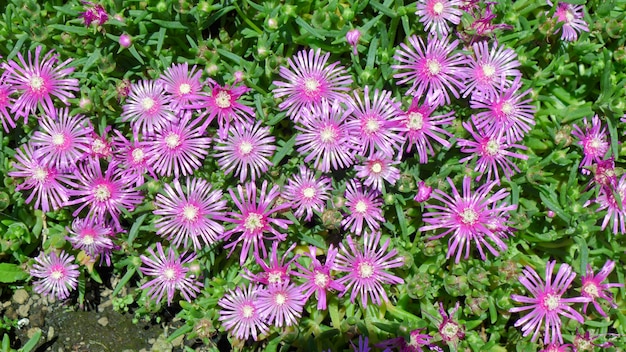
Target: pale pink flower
{"x":377,"y":168}
{"x":281,"y":304}
{"x":148,"y":107}
{"x":56,"y":274}
{"x":593,"y":140}
{"x":572,"y":18}
{"x":364,"y":209}
{"x":6,"y":104}
{"x":182,"y":84}
{"x":92,"y":237}
{"x":240,"y":313}
{"x":437,"y":15}
{"x":616,"y":212}
{"x":451,"y":331}
{"x":306,"y":193}
{"x":490,"y":70}
{"x":594,"y":289}
{"x":133,"y":158}
{"x":318,"y":279}
{"x":420,"y":126}
{"x":277,"y":271}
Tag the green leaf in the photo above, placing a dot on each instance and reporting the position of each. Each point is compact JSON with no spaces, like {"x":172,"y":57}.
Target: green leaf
{"x":307,"y":27}
{"x":32,"y":342}
{"x":134,"y":52}
{"x":584,"y":252}
{"x":169,"y":24}
{"x":179,"y":332}
{"x":384,"y":8}
{"x":160,"y":39}
{"x":333,"y":310}
{"x":82,"y":31}
{"x":129,"y":274}
{"x":549,"y":198}
{"x":285,"y":149}
{"x":11,"y":273}
{"x":134,"y":230}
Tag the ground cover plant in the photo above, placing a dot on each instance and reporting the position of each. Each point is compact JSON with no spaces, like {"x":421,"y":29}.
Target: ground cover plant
{"x":323,"y":175}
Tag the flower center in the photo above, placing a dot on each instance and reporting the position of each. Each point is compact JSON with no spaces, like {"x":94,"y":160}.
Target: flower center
{"x":102,"y":193}
{"x":492,"y":148}
{"x":36,"y":83}
{"x":280,"y":299}
{"x":308,"y":192}
{"x":591,"y":289}
{"x":40,"y":174}
{"x":172,"y":140}
{"x":58,"y":139}
{"x":88,"y":239}
{"x":169,"y":274}
{"x":569,"y":16}
{"x":438,"y":8}
{"x":253,"y":222}
{"x":416,"y":121}
{"x":245,"y":148}
{"x":449,"y":330}
{"x":434,"y":67}
{"x":377,"y":167}
{"x":275,"y":277}
{"x":328,"y":135}
{"x":551,"y":302}
{"x":311,"y":87}
{"x":190,"y":212}
{"x":488,"y":70}
{"x":361,"y":207}
{"x":469,"y":216}
{"x":147,"y":103}
{"x":247,"y":311}
{"x":57,"y":273}
{"x":372,"y":125}
{"x":137,"y":155}
{"x":222,"y":99}
{"x":365,"y":270}
{"x":184,"y":88}
{"x":321,"y":280}
{"x":98,"y":146}
{"x":507,"y":108}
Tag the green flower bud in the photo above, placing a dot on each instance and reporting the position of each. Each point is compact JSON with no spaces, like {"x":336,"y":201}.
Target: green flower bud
{"x":5,"y":201}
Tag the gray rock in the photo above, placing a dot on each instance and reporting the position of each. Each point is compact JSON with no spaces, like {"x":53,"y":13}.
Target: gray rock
{"x":104,"y":321}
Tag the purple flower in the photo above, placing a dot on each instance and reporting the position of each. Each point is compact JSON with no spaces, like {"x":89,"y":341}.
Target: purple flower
{"x":325,"y":137}
{"x":92,"y":237}
{"x":420,"y":127}
{"x":547,"y":302}
{"x":616,"y":212}
{"x":93,"y":12}
{"x":170,"y":275}
{"x":318,"y":278}
{"x":363,"y":346}
{"x":281,"y":304}
{"x":364,"y":207}
{"x":6,"y":104}
{"x":432,"y":68}
{"x":557,"y":347}
{"x":274,"y":273}
{"x":133,"y":158}
{"x":449,"y":329}
{"x":593,"y":140}
{"x":44,"y":181}
{"x":435,"y":15}
{"x":593,"y":288}
{"x":246,"y":151}
{"x":63,"y":142}
{"x":240,"y":313}
{"x":306,"y":193}
{"x":423,"y":192}
{"x":254,"y":219}
{"x":308,"y":81}
{"x":467,"y":218}
{"x":104,"y":194}
{"x":377,"y":168}
{"x":492,"y":152}
{"x":366,"y":268}
{"x":190,"y":215}
{"x":178,"y":148}
{"x":352,"y":37}
{"x":572,"y":18}
{"x":416,"y":343}
{"x":37,"y":82}
{"x":148,"y":107}
{"x":99,"y":146}
{"x":376,"y":122}
{"x":56,"y":273}
{"x":490,"y":70}
{"x":183,"y":85}
{"x":586,"y":342}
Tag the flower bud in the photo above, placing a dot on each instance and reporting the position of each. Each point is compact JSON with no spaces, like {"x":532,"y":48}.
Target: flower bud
{"x":352,"y":37}
{"x":423,"y":192}
{"x":125,"y":40}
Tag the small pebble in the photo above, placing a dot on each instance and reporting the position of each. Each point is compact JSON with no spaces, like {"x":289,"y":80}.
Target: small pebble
{"x":20,"y":296}
{"x":32,"y":331}
{"x":50,"y":333}
{"x":104,"y":321}
{"x":22,"y":311}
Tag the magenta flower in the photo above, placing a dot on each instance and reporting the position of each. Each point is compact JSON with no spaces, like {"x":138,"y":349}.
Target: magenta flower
{"x":92,"y":237}
{"x":432,"y":69}
{"x":93,"y":12}
{"x":61,"y":143}
{"x":182,"y":84}
{"x":240,"y":313}
{"x":467,"y":218}
{"x":593,"y":140}
{"x":325,"y":137}
{"x":423,"y":192}
{"x":246,"y":151}
{"x":133,"y":158}
{"x":308,"y":81}
{"x":44,"y":181}
{"x":604,"y":174}
{"x":223,"y":103}
{"x":99,"y":146}
{"x":254,"y":219}
{"x":6,"y":104}
{"x":506,"y":111}
{"x":191,"y":214}
{"x":367,"y":268}
{"x":281,"y":304}
{"x":377,"y":123}
{"x":178,"y":148}
{"x":170,"y":275}
{"x":490,"y":70}
{"x":616,"y":212}
{"x":364,"y":207}
{"x":416,"y":343}
{"x":420,"y":127}
{"x":437,"y":15}
{"x":557,"y":347}
{"x":377,"y":168}
{"x":585,"y":342}
{"x":306,"y":193}
{"x":318,"y":278}
{"x":103,"y":194}
{"x":593,"y":288}
{"x":547,"y":302}
{"x":56,"y":273}
{"x":37,"y":82}
{"x":449,"y":329}
{"x":492,"y":152}
{"x":352,"y":37}
{"x":148,"y":107}
{"x":572,"y":18}
{"x":274,"y":273}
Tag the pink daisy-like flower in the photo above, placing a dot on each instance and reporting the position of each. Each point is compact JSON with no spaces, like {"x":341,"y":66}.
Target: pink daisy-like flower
{"x":325,"y":137}
{"x":364,"y":207}
{"x":133,"y":158}
{"x":240,"y":313}
{"x":254,"y":219}
{"x":246,"y":151}
{"x":593,"y":140}
{"x":182,"y":84}
{"x":432,"y":68}
{"x":178,"y":148}
{"x":170,"y":275}
{"x":99,"y":146}
{"x":506,"y":111}
{"x":223,"y":103}
{"x":104,"y":194}
{"x":6,"y":104}
{"x":572,"y":18}
{"x":308,"y":81}
{"x":92,"y":237}
{"x":416,"y":343}
{"x":93,"y":12}
{"x":604,"y":174}
{"x":547,"y":302}
{"x":274,"y":273}
{"x":557,"y":347}
{"x":318,"y":279}
{"x":467,"y":218}
{"x":148,"y":107}
{"x":190,"y":215}
{"x":377,"y":168}
{"x":281,"y":304}
{"x":421,"y":126}
{"x":306,"y":193}
{"x":585,"y":342}
{"x":367,"y":268}
{"x":492,"y":152}
{"x":449,"y":329}
{"x":37,"y":82}
{"x":437,"y":15}
{"x":616,"y":212}
{"x":62,"y":142}
{"x":44,"y":181}
{"x":488,"y":70}
{"x":593,"y":288}
{"x":377,"y":123}
{"x":56,"y":273}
